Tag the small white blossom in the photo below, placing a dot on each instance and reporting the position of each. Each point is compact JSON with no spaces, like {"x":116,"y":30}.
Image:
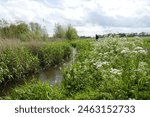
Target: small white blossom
{"x":115,"y":71}
{"x":100,"y":64}
{"x":142,"y":51}
{"x":139,"y":50}
{"x":125,"y":50}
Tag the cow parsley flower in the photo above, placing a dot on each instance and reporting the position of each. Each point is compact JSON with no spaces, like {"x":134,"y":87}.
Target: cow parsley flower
{"x":139,"y":50}
{"x":115,"y":71}
{"x":125,"y":50}
{"x":100,"y":64}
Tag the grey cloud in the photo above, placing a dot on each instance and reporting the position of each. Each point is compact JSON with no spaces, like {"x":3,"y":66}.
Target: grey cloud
{"x":101,"y":19}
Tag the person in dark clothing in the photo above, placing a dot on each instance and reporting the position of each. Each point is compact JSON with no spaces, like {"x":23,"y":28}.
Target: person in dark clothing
{"x":96,"y":37}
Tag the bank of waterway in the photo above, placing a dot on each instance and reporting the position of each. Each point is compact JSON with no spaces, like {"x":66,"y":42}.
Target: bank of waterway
{"x":52,"y":75}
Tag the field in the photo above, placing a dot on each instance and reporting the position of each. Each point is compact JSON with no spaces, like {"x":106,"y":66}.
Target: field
{"x":111,"y":69}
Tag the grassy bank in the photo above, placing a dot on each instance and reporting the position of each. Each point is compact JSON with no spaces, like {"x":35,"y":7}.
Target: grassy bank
{"x":18,"y":59}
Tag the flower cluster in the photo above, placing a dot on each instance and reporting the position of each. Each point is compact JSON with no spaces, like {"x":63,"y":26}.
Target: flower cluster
{"x":115,"y":71}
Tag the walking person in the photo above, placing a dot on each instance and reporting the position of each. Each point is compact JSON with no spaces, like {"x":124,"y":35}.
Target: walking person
{"x":96,"y":37}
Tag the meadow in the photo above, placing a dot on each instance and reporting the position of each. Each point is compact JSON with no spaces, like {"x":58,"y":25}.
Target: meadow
{"x":111,"y":69}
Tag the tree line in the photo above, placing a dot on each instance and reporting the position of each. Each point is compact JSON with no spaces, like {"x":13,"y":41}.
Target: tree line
{"x":141,"y":34}
{"x":21,"y":30}
{"x":34,"y":31}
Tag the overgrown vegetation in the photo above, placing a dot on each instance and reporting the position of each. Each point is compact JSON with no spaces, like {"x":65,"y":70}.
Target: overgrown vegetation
{"x":36,"y":90}
{"x":113,"y":68}
{"x":23,"y":59}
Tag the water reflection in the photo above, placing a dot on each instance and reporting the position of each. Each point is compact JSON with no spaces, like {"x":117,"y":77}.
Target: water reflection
{"x":52,"y":76}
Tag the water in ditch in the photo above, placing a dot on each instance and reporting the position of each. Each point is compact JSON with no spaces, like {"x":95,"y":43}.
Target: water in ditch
{"x":52,"y":75}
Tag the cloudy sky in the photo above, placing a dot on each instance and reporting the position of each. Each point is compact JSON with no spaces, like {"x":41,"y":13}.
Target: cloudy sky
{"x":87,"y":16}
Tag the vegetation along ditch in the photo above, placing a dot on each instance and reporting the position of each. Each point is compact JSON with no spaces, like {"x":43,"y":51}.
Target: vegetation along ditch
{"x":67,"y":67}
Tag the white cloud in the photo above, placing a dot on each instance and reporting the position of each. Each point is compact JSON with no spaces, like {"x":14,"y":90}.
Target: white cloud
{"x":88,"y":16}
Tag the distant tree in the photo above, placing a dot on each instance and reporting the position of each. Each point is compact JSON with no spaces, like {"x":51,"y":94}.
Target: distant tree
{"x":38,"y":32}
{"x":71,"y":33}
{"x":21,"y":30}
{"x":59,"y":31}
{"x":3,"y":23}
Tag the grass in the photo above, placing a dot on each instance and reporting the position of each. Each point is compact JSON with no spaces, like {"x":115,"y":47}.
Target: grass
{"x":35,"y":90}
{"x":17,"y":59}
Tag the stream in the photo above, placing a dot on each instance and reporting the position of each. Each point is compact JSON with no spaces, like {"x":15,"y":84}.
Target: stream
{"x":52,"y":75}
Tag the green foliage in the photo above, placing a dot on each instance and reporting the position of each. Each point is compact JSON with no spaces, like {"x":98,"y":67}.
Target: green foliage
{"x":71,"y":33}
{"x":16,"y":63}
{"x":54,"y":53}
{"x":61,"y":32}
{"x":21,"y":30}
{"x":115,"y":68}
{"x":35,"y":90}
{"x":37,"y":32}
{"x":25,"y":59}
{"x":82,"y":45}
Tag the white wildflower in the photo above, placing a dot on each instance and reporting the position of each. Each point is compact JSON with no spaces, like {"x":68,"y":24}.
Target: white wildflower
{"x":139,"y":50}
{"x":142,"y":51}
{"x":115,"y":71}
{"x":136,"y":52}
{"x":100,"y":64}
{"x":125,"y":50}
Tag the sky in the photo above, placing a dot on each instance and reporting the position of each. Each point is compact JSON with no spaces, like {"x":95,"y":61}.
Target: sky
{"x":89,"y":17}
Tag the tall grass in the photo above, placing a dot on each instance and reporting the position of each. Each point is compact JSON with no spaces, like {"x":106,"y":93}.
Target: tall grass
{"x":19,"y":59}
